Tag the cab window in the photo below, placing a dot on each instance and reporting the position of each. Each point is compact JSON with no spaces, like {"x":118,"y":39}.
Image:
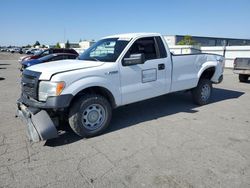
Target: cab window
{"x":144,"y":46}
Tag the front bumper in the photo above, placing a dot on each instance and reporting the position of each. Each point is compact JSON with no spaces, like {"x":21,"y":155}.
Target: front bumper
{"x":39,"y":125}
{"x":242,"y":71}
{"x":61,"y":101}
{"x":33,"y":113}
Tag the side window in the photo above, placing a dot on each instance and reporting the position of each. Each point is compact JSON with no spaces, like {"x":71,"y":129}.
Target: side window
{"x":56,"y":58}
{"x":144,"y":46}
{"x":71,"y":51}
{"x":56,"y":51}
{"x":71,"y":57}
{"x":46,"y":52}
{"x":50,"y":51}
{"x":161,"y":47}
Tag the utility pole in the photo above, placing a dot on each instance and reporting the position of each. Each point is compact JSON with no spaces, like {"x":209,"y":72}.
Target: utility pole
{"x":64,"y":34}
{"x":224,"y":43}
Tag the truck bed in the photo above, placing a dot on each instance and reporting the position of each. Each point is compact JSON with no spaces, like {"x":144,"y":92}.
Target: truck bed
{"x":186,"y":68}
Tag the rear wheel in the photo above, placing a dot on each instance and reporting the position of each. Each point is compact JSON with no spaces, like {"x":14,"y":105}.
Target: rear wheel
{"x":202,"y":93}
{"x":243,"y":77}
{"x":90,"y":115}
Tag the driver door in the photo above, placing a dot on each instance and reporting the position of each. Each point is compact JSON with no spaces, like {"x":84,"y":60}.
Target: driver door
{"x":147,"y":80}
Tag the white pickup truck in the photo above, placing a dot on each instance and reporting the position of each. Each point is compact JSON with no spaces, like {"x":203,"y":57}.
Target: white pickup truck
{"x":115,"y":71}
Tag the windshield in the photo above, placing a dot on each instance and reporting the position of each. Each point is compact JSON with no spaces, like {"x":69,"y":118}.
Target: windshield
{"x":107,"y":50}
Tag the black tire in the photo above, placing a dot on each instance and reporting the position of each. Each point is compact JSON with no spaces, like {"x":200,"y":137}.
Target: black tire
{"x":243,"y":77}
{"x":204,"y":88}
{"x":77,"y":119}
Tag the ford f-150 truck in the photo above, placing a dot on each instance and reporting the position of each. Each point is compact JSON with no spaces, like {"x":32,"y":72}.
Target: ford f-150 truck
{"x":115,"y":71}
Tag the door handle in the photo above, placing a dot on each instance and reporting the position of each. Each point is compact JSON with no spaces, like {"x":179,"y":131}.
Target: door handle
{"x":161,"y":66}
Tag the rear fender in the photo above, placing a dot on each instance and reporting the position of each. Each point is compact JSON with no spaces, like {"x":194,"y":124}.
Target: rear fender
{"x":208,"y":65}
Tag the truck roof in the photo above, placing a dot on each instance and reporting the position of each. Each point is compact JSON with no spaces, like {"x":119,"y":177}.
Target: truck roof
{"x":132,"y":35}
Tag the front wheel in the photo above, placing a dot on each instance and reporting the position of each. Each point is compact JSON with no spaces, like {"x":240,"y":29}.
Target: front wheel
{"x":202,"y":93}
{"x":90,"y":115}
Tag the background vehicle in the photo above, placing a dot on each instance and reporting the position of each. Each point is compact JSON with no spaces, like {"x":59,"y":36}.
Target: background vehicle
{"x":42,"y":53}
{"x":115,"y":71}
{"x":47,"y":58}
{"x":242,"y":67}
{"x":33,"y":51}
{"x":3,"y":50}
{"x":17,"y":50}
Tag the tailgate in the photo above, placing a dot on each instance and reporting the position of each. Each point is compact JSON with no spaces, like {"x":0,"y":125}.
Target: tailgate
{"x":242,"y":63}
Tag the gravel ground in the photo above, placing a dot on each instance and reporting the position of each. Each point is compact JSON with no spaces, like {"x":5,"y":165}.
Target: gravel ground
{"x":162,"y":142}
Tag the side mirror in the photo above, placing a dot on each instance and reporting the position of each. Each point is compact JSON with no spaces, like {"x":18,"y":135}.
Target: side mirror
{"x":134,"y":59}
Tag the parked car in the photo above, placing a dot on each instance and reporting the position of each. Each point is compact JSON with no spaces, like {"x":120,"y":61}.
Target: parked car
{"x":33,"y":51}
{"x":3,"y":50}
{"x":17,"y":50}
{"x":242,"y":68}
{"x":8,"y":49}
{"x":115,"y":71}
{"x":47,"y":52}
{"x":48,"y":58}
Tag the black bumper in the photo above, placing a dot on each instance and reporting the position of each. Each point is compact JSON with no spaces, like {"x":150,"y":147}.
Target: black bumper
{"x":39,"y":125}
{"x":34,"y":114}
{"x":62,"y":101}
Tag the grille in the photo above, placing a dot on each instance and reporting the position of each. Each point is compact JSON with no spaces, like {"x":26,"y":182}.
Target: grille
{"x":30,"y":83}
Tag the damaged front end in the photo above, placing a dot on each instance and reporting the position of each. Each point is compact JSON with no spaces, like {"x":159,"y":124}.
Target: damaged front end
{"x":39,"y":124}
{"x":34,"y":112}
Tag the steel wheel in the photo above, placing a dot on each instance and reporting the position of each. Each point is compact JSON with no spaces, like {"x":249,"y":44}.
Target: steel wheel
{"x":202,"y":93}
{"x":205,"y":92}
{"x":93,"y":116}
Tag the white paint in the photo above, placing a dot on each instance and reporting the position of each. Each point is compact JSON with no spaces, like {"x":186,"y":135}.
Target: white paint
{"x":184,"y":49}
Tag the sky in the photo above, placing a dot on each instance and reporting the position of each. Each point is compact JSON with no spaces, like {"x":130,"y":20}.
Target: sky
{"x":23,"y":22}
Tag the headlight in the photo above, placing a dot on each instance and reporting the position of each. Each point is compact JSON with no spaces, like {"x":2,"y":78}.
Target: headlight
{"x":48,"y":89}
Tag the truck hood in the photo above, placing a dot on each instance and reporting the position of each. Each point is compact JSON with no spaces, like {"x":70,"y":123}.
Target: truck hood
{"x":48,"y":69}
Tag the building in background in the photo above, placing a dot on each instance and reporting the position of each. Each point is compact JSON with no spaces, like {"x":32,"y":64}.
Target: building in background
{"x":71,"y":45}
{"x":86,"y":44}
{"x":208,"y":41}
{"x":83,"y":45}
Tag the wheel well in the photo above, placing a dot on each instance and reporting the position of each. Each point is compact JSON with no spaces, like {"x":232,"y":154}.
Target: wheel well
{"x":97,"y":90}
{"x":208,"y":73}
